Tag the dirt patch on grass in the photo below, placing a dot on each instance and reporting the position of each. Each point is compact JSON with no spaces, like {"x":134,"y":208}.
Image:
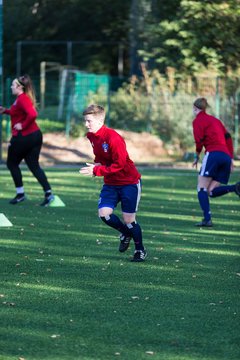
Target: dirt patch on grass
{"x":142,"y":148}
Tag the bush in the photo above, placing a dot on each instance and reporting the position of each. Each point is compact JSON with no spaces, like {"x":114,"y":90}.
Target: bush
{"x":149,"y":105}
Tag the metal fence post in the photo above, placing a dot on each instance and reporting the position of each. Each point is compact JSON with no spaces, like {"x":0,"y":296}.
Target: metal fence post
{"x":7,"y":100}
{"x":1,"y":72}
{"x":217,"y":98}
{"x":19,"y":57}
{"x":236,"y":121}
{"x":69,"y":52}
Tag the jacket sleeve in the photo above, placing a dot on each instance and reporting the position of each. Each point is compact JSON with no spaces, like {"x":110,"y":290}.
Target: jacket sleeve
{"x":7,"y":111}
{"x":198,"y":134}
{"x":118,"y":161}
{"x":29,"y":110}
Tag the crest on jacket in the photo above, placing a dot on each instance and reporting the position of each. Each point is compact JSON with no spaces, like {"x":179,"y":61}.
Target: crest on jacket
{"x":105,"y":147}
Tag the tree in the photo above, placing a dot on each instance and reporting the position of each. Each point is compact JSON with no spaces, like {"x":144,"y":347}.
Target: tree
{"x":201,"y":34}
{"x":54,"y":20}
{"x":187,"y":35}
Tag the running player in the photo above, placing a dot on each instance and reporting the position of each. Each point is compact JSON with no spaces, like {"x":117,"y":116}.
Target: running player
{"x":217,"y":164}
{"x":26,"y":141}
{"x":122,"y":181}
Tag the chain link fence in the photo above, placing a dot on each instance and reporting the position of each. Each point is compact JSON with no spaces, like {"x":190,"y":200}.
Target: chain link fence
{"x":153,"y":103}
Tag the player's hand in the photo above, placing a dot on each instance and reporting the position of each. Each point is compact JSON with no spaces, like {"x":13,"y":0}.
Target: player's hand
{"x":87,"y":170}
{"x":194,"y":164}
{"x":2,"y":109}
{"x":18,"y":126}
{"x":196,"y":159}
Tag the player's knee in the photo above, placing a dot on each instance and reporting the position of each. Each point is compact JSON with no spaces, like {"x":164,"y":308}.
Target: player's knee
{"x":35,"y":168}
{"x":211,"y":192}
{"x":129,"y":218}
{"x":10,"y":164}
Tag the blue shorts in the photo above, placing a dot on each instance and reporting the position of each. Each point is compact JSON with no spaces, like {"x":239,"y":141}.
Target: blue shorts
{"x":127,"y":195}
{"x":217,"y":165}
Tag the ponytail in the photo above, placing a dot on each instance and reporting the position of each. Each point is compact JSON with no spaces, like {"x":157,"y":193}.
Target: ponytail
{"x":28,"y":88}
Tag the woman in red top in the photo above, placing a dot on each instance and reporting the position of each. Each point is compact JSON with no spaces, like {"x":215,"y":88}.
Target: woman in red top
{"x":210,"y":133}
{"x":26,"y":141}
{"x":122,"y":181}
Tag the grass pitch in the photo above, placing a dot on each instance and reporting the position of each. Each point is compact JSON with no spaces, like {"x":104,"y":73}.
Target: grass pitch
{"x":68,"y":294}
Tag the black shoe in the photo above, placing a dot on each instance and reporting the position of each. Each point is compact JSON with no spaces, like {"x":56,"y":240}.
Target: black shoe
{"x":139,"y":256}
{"x":124,"y":242}
{"x":48,"y":200}
{"x":18,"y":198}
{"x":237,"y":188}
{"x":204,"y":223}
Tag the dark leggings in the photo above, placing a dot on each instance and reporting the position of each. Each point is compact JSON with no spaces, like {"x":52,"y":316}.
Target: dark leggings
{"x":28,"y":148}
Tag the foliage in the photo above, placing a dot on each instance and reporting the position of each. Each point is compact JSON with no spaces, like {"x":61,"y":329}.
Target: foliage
{"x":186,"y":35}
{"x":174,"y":39}
{"x":47,"y":125}
{"x":150,"y":104}
{"x":162,"y":105}
{"x":202,"y":34}
{"x":77,"y":130}
{"x":101,"y":27}
{"x":68,"y":294}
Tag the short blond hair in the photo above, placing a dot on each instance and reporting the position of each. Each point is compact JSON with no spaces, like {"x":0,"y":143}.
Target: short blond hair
{"x":93,"y":109}
{"x":201,"y":103}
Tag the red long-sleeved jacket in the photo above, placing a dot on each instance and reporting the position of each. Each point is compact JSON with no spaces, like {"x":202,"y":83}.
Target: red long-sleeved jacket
{"x":109,"y":149}
{"x":22,"y":111}
{"x":210,"y":133}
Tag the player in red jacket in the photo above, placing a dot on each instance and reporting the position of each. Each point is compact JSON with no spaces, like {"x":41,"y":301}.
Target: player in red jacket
{"x":122,"y":181}
{"x":26,"y":141}
{"x":210,"y":133}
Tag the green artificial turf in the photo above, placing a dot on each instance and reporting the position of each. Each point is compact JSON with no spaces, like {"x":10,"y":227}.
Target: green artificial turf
{"x":67,"y":293}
